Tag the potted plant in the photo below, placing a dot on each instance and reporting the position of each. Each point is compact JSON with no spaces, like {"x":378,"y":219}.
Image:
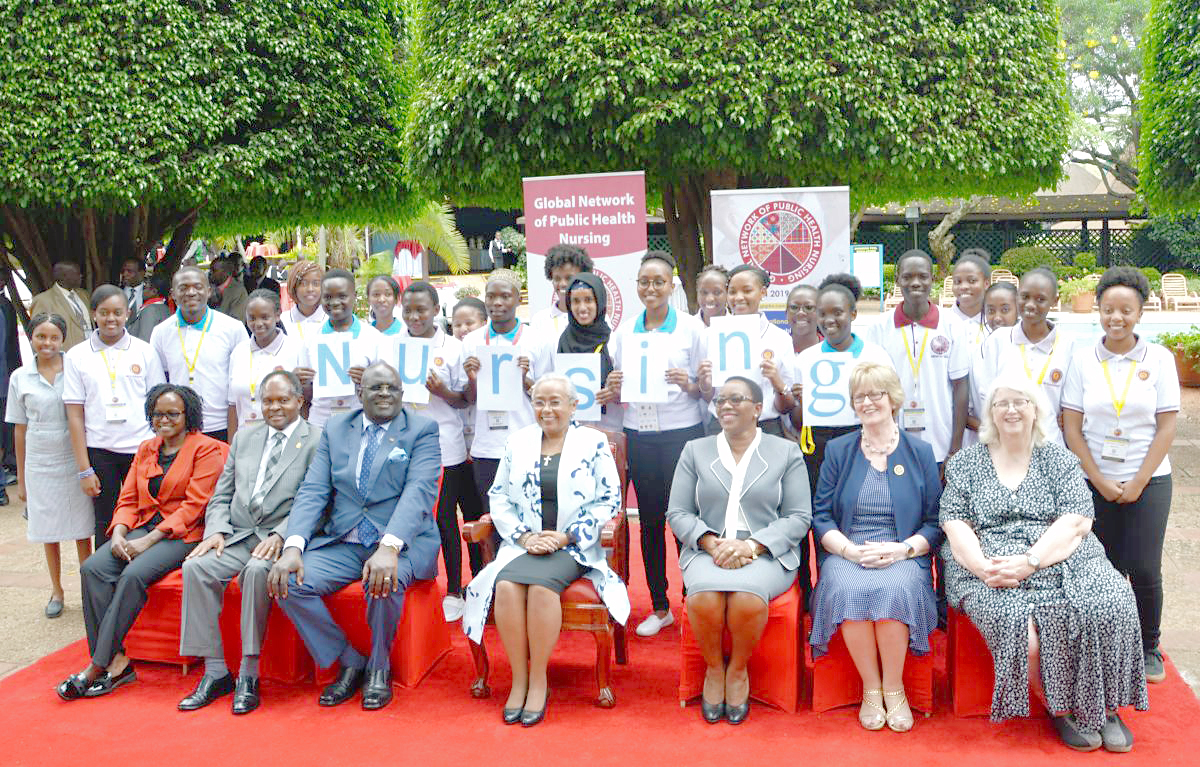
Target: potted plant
{"x":1080,"y":292}
{"x":1185,"y":347}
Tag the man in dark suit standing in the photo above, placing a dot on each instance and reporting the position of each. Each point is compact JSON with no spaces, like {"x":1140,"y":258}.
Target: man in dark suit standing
{"x":10,"y":360}
{"x":379,"y":466}
{"x":244,"y":527}
{"x":256,"y":276}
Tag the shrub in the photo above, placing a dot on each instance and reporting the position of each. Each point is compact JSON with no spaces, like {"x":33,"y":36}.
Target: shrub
{"x":466,"y":291}
{"x":1154,"y":276}
{"x":889,"y":273}
{"x":1020,"y":260}
{"x":1086,"y":261}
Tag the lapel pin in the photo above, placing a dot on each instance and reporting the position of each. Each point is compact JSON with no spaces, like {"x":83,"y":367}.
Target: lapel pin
{"x":899,"y":470}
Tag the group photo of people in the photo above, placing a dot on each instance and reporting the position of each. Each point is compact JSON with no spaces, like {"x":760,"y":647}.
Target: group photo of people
{"x":972,"y":458}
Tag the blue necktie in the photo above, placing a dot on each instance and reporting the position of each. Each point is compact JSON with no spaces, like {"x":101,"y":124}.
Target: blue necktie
{"x":364,"y":473}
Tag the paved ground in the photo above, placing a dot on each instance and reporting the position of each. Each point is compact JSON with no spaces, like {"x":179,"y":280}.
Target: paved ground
{"x":25,"y":635}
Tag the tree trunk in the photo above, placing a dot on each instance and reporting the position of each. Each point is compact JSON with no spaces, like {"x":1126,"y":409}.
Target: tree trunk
{"x":941,"y":240}
{"x":687,"y":209}
{"x":855,"y":220}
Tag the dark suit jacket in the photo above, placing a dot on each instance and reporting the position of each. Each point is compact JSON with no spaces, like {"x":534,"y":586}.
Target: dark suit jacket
{"x":266,"y":284}
{"x":401,"y":491}
{"x":185,"y":489}
{"x":913,"y":483}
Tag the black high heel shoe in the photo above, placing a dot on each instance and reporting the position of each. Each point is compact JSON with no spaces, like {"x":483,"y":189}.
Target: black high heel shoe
{"x":530,"y":718}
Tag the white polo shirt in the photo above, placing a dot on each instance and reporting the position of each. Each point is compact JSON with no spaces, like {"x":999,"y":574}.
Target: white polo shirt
{"x":777,"y":343}
{"x":248,"y":366}
{"x":1153,"y":388}
{"x":198,"y":356}
{"x":824,"y":375}
{"x":100,"y":377}
{"x":928,"y":355}
{"x":688,"y":348}
{"x":364,"y":349}
{"x":489,"y":442}
{"x":301,"y":327}
{"x":972,"y":332}
{"x":1045,"y":363}
{"x":447,"y":363}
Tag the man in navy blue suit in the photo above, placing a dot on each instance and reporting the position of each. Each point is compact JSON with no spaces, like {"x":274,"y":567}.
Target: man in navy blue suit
{"x":379,"y":466}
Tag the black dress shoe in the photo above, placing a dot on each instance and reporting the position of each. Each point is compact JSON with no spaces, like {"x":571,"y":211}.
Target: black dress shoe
{"x":207,"y":690}
{"x":342,"y":689}
{"x":377,"y":689}
{"x":513,"y":715}
{"x":712,"y":712}
{"x":106,"y":683}
{"x":73,"y":687}
{"x":737,"y":714}
{"x":245,"y":695}
{"x":530,"y":718}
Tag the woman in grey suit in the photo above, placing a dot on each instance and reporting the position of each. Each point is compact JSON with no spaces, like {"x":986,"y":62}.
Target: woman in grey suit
{"x":740,"y":507}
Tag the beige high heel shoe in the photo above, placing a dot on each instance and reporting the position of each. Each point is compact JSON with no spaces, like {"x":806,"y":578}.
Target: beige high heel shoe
{"x":871,"y":714}
{"x":899,"y":715}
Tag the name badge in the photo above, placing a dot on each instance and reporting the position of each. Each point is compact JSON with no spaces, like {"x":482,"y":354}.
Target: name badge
{"x":252,"y":416}
{"x":116,"y":412}
{"x":647,"y":418}
{"x":1115,"y":448}
{"x":497,"y":419}
{"x":913,"y":419}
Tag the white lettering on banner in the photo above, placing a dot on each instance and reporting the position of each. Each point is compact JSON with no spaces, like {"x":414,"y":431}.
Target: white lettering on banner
{"x":735,"y":347}
{"x":584,"y":371}
{"x":332,"y":354}
{"x":411,"y":358}
{"x":499,"y":385}
{"x":584,"y":239}
{"x":644,"y":368}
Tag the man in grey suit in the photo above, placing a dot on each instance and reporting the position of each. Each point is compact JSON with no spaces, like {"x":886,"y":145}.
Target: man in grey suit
{"x":243,"y":535}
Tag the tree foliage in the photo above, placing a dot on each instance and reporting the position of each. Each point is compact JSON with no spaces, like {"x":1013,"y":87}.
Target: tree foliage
{"x":899,"y":100}
{"x":1100,"y":49}
{"x":127,"y":119}
{"x":1171,"y":108}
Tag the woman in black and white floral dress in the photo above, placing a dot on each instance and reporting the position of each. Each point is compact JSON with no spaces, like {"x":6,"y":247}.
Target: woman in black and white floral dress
{"x":1022,"y":562}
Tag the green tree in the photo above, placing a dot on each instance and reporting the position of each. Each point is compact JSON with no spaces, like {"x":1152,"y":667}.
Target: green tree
{"x":900,"y":101}
{"x":1100,"y":48}
{"x":126,"y":121}
{"x":1171,"y":108}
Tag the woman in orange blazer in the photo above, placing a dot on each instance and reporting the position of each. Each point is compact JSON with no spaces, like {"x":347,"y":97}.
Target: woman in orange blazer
{"x":158,"y":520}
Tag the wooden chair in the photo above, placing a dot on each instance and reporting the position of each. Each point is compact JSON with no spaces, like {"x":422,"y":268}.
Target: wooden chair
{"x":582,"y":609}
{"x":1004,"y":275}
{"x":947,"y":300}
{"x":895,"y":299}
{"x":1175,"y":292}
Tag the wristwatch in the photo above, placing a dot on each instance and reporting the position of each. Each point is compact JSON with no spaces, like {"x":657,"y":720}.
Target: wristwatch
{"x":1033,"y":561}
{"x":909,"y":551}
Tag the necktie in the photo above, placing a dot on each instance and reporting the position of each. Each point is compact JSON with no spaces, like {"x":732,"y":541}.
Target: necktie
{"x":77,"y":308}
{"x":269,"y":474}
{"x":364,"y":473}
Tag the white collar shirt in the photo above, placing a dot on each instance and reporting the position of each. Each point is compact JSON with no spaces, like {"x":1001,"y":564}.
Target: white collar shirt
{"x":689,"y":347}
{"x":287,"y":433}
{"x":1153,"y":388}
{"x":198,"y":356}
{"x":364,"y":349}
{"x":777,"y":343}
{"x":99,"y":377}
{"x":446,"y":361}
{"x":1045,"y":362}
{"x":489,"y":442}
{"x":249,"y":364}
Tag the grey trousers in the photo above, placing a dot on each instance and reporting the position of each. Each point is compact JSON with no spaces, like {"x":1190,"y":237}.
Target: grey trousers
{"x":114,"y":591}
{"x":204,"y":581}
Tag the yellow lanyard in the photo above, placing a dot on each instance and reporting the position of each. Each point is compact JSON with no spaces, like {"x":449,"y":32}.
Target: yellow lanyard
{"x":1119,"y":404}
{"x":1049,"y":359}
{"x":915,"y":362}
{"x":112,"y":371}
{"x":191,"y":364}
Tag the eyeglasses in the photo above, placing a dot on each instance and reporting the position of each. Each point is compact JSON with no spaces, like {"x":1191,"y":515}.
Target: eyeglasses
{"x":874,"y":396}
{"x":732,"y":399}
{"x":383,"y":389}
{"x":1005,"y":404}
{"x":170,"y":415}
{"x":656,"y":284}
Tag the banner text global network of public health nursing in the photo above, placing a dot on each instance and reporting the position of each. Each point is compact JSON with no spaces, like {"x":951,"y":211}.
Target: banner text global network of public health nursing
{"x":575,"y":219}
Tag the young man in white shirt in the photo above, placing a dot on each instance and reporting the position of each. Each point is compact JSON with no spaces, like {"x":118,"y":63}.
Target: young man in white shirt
{"x":195,"y":346}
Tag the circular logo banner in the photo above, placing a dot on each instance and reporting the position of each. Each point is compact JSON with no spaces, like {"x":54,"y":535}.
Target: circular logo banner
{"x":783,"y":238}
{"x":614,"y":298}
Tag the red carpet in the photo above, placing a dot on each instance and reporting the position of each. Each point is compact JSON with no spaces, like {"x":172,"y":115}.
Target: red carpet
{"x":440,"y":724}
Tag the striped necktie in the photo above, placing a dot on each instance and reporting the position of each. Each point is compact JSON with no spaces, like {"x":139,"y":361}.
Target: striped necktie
{"x":277,"y":441}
